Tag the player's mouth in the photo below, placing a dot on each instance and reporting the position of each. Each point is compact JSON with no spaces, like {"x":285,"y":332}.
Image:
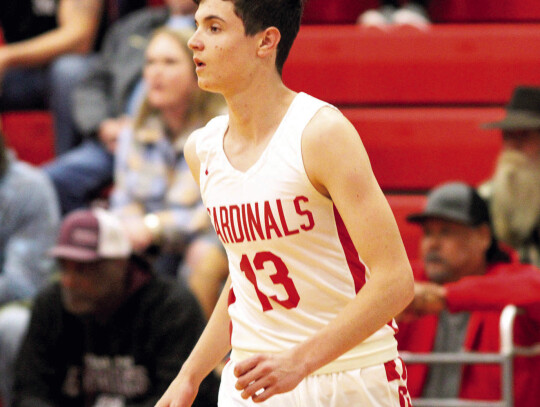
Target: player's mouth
{"x":198,"y":64}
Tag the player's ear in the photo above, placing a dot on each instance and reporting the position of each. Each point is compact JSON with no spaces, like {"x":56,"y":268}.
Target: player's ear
{"x":268,"y":41}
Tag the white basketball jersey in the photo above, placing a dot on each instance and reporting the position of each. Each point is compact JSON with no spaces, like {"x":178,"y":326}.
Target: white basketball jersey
{"x":293,"y":265}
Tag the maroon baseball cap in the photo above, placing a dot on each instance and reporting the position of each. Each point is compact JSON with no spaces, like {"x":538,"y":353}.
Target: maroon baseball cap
{"x":91,"y":235}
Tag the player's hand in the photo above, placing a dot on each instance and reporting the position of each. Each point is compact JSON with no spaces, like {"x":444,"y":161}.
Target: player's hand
{"x":262,"y":376}
{"x":181,"y":393}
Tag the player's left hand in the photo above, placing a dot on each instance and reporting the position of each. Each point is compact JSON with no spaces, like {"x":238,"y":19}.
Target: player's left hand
{"x":262,"y":376}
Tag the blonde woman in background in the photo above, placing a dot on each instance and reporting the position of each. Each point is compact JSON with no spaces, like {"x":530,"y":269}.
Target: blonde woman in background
{"x":154,"y":192}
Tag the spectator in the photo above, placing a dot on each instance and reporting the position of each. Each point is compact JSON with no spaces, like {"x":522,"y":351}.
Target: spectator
{"x":106,"y":99}
{"x":414,"y":13}
{"x":47,"y":51}
{"x":110,"y":332}
{"x":514,"y":189}
{"x":154,"y":191}
{"x":469,"y":281}
{"x":29,"y":219}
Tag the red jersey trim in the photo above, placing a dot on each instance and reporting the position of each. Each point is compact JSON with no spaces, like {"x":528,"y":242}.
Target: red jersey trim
{"x":356,"y":267}
{"x":231,"y":300}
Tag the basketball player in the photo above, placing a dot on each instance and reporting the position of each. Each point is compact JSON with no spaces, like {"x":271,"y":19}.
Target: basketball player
{"x":317,"y":266}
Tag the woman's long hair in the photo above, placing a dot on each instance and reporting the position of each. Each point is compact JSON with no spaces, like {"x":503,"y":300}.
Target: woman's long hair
{"x":203,"y":105}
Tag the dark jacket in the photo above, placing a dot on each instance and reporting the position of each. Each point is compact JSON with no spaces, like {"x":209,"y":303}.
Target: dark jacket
{"x":72,"y":361}
{"x":104,"y":92}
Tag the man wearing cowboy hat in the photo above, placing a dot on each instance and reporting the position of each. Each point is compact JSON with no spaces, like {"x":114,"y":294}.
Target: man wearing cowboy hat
{"x":514,"y":189}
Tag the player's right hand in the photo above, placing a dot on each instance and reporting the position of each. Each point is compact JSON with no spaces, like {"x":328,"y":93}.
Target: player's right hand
{"x":180,"y":393}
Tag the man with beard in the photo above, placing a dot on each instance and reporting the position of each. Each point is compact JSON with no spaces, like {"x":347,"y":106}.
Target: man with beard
{"x":461,"y":288}
{"x":514,"y":189}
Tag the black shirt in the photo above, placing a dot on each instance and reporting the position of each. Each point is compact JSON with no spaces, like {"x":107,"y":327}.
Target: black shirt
{"x":24,"y":19}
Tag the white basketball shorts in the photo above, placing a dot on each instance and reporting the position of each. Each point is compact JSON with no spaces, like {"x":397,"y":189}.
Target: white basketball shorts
{"x":383,"y":385}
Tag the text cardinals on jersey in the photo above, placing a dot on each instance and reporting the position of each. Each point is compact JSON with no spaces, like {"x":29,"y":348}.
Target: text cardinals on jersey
{"x":254,"y":221}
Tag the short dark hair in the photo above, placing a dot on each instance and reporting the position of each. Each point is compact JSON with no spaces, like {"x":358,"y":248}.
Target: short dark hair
{"x":258,"y":15}
{"x":3,"y":155}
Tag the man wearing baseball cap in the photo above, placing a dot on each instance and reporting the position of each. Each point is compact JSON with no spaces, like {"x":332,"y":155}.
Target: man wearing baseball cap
{"x":110,"y":332}
{"x":463,"y":284}
{"x":513,"y":191}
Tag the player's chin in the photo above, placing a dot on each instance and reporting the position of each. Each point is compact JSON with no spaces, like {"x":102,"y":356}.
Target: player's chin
{"x":207,"y":85}
{"x":203,"y":83}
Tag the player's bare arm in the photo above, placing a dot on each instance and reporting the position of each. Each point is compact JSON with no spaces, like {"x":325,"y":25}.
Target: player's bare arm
{"x":190,"y":154}
{"x":78,"y":22}
{"x":209,"y":351}
{"x":338,"y":167}
{"x":214,"y":343}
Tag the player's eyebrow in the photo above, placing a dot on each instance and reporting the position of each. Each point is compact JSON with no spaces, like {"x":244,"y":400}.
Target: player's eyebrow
{"x":211,"y":17}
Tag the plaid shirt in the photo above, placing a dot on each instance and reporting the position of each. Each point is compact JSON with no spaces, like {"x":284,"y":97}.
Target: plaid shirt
{"x":152,"y":176}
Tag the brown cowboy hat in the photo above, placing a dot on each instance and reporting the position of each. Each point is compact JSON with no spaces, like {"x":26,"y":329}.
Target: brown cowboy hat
{"x":523,"y":111}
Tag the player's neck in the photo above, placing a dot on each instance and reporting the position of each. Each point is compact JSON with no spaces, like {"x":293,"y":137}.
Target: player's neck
{"x":257,"y":111}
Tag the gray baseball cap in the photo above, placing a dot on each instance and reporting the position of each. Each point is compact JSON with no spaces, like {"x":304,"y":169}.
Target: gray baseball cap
{"x":454,"y":201}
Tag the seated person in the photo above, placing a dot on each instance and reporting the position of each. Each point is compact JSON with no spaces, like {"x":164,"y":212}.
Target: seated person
{"x":465,"y":282}
{"x":513,"y":192}
{"x":413,"y":12}
{"x":110,"y":332}
{"x":107,"y":98}
{"x":154,"y":192}
{"x":29,"y":221}
{"x":47,"y":50}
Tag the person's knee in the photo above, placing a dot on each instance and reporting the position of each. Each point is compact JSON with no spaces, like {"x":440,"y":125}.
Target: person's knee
{"x":203,"y":255}
{"x":14,"y":320}
{"x":205,"y":270}
{"x":68,"y":69}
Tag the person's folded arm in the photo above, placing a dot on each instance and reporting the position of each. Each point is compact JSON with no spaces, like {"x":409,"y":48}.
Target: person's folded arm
{"x":78,"y":22}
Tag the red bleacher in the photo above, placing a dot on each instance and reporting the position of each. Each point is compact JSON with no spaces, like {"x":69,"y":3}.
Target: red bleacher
{"x":448,"y":64}
{"x":30,"y":134}
{"x":335,"y":11}
{"x":413,"y":149}
{"x":440,"y":11}
{"x":473,"y":11}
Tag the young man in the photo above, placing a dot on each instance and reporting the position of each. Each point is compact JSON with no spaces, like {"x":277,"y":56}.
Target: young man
{"x":317,"y":266}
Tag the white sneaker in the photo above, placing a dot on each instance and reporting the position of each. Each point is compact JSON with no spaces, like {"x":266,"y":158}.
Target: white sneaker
{"x":380,"y":17}
{"x":411,"y":14}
